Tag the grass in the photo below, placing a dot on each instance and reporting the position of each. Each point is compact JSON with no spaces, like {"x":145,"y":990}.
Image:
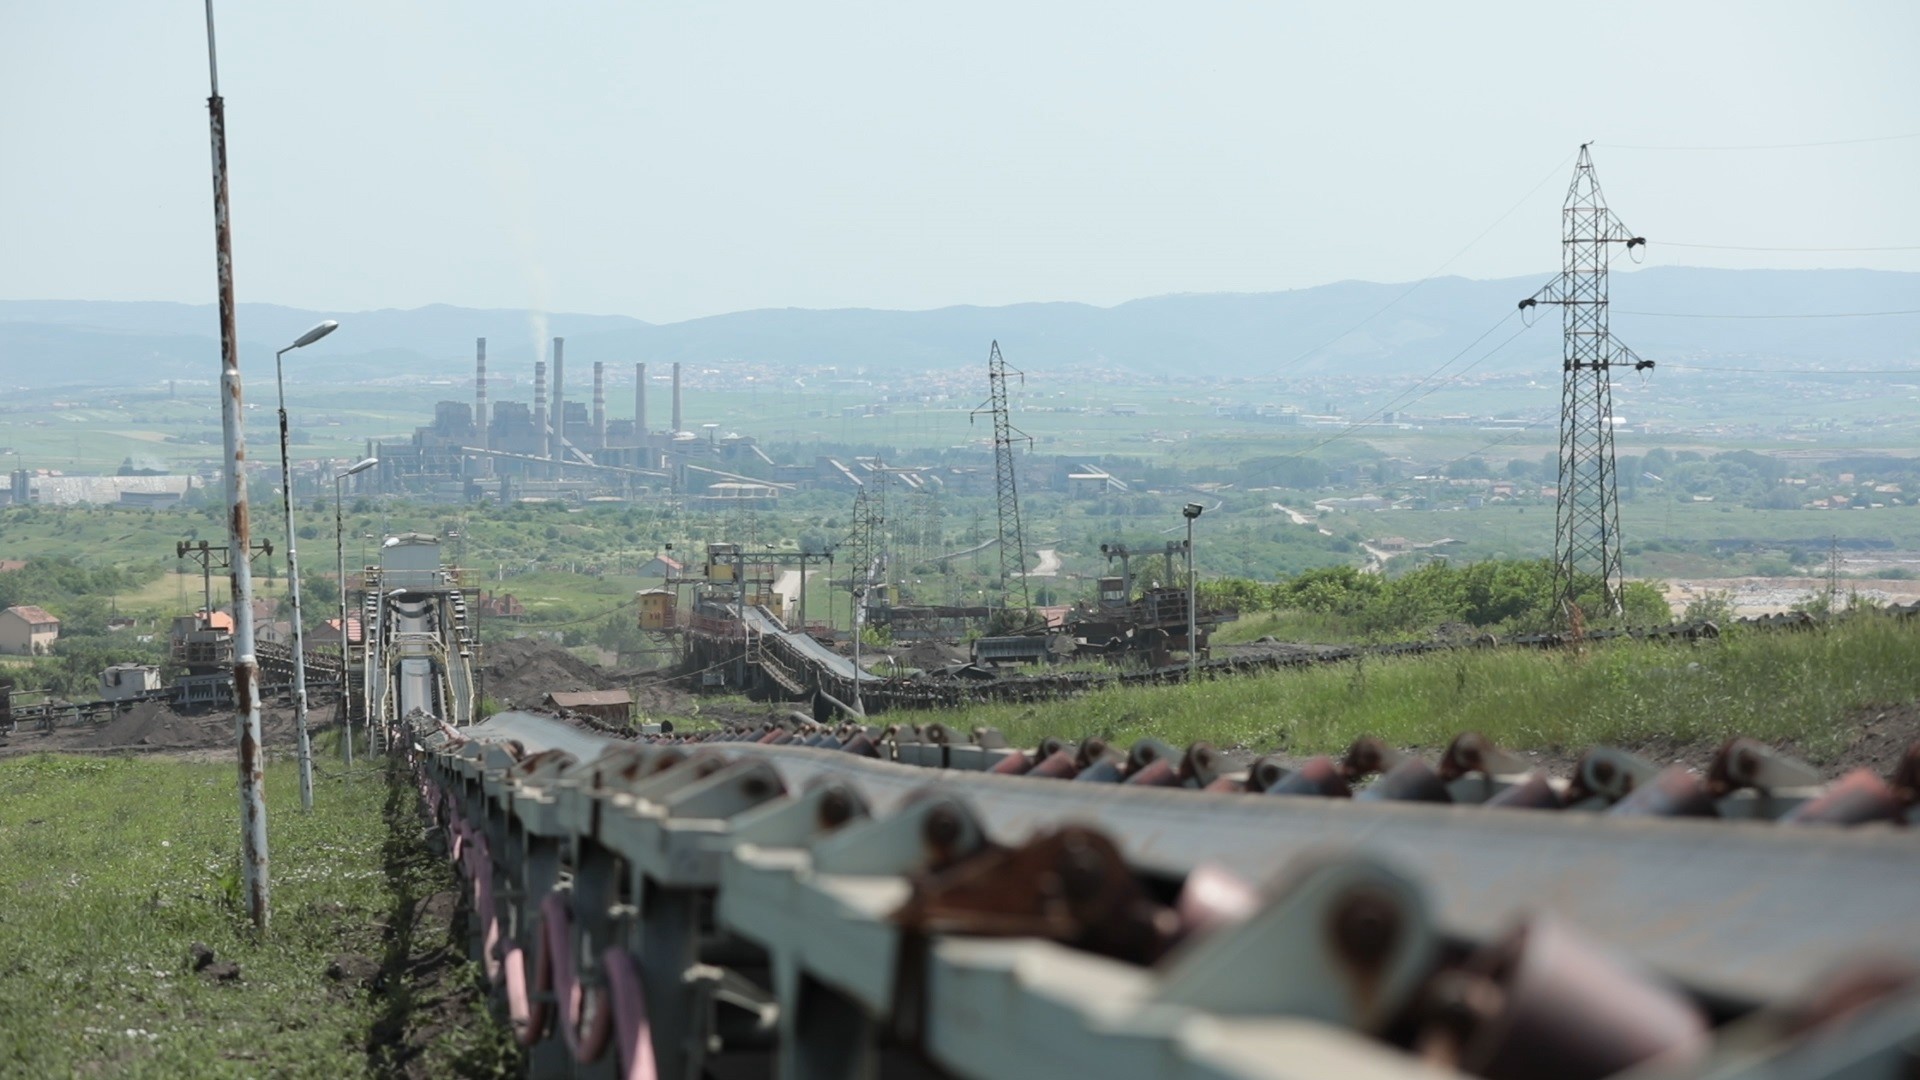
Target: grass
{"x":1292,"y":626}
{"x":117,"y":865}
{"x":1767,"y":684}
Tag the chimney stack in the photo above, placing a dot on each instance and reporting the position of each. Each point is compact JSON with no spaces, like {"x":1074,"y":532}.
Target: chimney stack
{"x":480,"y":391}
{"x":539,"y":404}
{"x":558,"y":427}
{"x":599,"y":404}
{"x":640,"y":404}
{"x":676,"y":398}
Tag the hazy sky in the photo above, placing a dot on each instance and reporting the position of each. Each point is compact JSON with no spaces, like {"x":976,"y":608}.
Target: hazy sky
{"x":670,"y":160}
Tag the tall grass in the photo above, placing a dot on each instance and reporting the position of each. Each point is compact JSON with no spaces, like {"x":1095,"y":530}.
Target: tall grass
{"x":113,"y":867}
{"x":1768,"y":684}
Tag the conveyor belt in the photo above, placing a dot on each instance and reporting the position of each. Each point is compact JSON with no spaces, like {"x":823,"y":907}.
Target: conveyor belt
{"x":1746,"y":910}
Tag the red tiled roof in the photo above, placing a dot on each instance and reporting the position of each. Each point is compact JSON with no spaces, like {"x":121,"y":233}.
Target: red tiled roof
{"x":31,"y":614}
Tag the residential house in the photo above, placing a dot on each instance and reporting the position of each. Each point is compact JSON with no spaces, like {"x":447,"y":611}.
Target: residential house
{"x":662,"y":566}
{"x":27,"y":630}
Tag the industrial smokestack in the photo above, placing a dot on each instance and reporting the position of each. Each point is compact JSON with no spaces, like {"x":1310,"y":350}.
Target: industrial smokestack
{"x":480,"y":391}
{"x":676,"y":398}
{"x":559,"y":425}
{"x":540,"y":405}
{"x":599,"y":404}
{"x":640,"y":403}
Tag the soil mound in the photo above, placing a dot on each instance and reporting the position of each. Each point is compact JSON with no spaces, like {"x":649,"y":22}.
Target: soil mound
{"x":525,"y":670}
{"x":151,"y":724}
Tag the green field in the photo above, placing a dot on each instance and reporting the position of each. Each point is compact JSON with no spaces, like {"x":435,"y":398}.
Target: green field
{"x":1768,"y":685}
{"x":116,"y":866}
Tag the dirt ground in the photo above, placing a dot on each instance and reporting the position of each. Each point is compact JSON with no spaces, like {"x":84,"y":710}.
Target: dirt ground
{"x":517,"y":673}
{"x":153,"y":727}
{"x":521,"y":672}
{"x":1767,"y":595}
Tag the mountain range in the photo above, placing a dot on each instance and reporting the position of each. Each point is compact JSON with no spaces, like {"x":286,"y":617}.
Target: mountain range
{"x":1346,"y":327}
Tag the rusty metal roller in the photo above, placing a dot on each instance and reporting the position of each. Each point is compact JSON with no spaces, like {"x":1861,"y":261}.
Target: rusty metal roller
{"x":1151,"y":763}
{"x":1534,"y":792}
{"x":1059,"y":765}
{"x":1906,"y":777}
{"x":1472,"y":752}
{"x":1368,"y":756}
{"x":1071,"y":886}
{"x":1677,"y":792}
{"x":1200,"y":766}
{"x":1018,"y":763}
{"x":1098,"y":763}
{"x":1856,"y":798}
{"x":1545,"y":1002}
{"x":861,"y":744}
{"x":1266,"y":772}
{"x":1412,"y":780}
{"x":1319,"y":776}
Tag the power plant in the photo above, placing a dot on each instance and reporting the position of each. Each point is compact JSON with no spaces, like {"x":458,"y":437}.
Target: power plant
{"x":560,"y":448}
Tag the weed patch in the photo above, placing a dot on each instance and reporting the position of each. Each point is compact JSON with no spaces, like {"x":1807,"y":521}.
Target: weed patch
{"x":1801,"y":686}
{"x":116,"y":868}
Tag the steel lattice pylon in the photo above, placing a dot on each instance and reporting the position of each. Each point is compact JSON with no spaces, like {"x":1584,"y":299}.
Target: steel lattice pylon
{"x":1587,"y":517}
{"x":866,"y":539}
{"x":1013,"y":546}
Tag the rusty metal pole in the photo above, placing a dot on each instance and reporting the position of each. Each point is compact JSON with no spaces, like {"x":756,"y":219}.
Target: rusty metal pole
{"x":246,"y":668}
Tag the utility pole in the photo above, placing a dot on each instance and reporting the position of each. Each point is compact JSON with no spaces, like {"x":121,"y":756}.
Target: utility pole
{"x":1587,"y":515}
{"x":214,"y":558}
{"x":1833,"y":573}
{"x":1013,"y":546}
{"x":246,"y":669}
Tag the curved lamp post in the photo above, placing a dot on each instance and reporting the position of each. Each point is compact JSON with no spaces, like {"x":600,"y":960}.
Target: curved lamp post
{"x":340,"y":565}
{"x":1192,"y":511}
{"x":293,"y":568}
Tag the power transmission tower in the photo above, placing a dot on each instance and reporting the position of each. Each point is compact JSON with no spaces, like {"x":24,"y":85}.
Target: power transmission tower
{"x":1013,"y":545}
{"x":864,"y":538}
{"x":1587,"y":517}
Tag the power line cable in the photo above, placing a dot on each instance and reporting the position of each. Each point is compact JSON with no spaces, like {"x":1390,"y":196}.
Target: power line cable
{"x":1399,"y":400}
{"x":1408,"y":291}
{"x":1740,"y":247}
{"x":1771,"y":146}
{"x":1804,"y":315}
{"x":1795,"y":371}
{"x":1501,"y":441}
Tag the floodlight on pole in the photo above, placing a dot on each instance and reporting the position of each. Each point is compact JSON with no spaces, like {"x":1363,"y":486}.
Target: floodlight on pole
{"x":315,"y":334}
{"x":293,"y":568}
{"x":340,"y":569}
{"x":1192,"y":511}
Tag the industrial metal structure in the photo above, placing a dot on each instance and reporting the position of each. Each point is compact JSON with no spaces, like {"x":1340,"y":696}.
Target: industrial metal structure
{"x":419,"y":643}
{"x":1587,"y":514}
{"x":809,"y":901}
{"x":1013,"y":545}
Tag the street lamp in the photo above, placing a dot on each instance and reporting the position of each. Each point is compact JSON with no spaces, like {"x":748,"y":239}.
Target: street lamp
{"x":293,"y":568}
{"x":340,"y":565}
{"x":859,"y":620}
{"x":1192,"y":511}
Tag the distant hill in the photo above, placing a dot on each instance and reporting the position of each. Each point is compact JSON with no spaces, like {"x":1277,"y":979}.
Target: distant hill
{"x":1246,"y":334}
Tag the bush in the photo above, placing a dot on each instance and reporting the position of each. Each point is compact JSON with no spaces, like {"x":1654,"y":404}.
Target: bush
{"x":1512,"y":594}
